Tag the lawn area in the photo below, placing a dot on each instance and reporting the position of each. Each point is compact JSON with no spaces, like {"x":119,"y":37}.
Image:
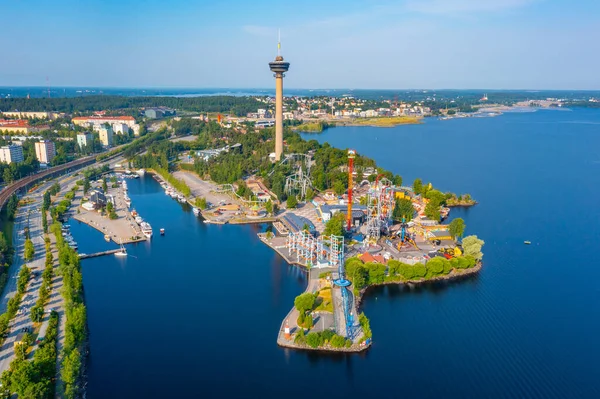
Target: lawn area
{"x":323,"y":301}
{"x":387,"y":121}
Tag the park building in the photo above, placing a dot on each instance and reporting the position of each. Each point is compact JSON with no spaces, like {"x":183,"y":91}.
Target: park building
{"x":45,"y":151}
{"x":85,"y":139}
{"x":11,"y":154}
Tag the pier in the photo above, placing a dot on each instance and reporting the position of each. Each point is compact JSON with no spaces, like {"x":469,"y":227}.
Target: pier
{"x":96,"y":254}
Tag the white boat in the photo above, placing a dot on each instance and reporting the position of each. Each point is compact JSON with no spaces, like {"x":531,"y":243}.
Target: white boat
{"x":122,"y":251}
{"x":127,"y":202}
{"x":106,"y":237}
{"x":196,"y":211}
{"x":141,"y":172}
{"x":139,"y":220}
{"x":146,"y":229}
{"x":173,"y":194}
{"x":162,"y":232}
{"x":181,"y":199}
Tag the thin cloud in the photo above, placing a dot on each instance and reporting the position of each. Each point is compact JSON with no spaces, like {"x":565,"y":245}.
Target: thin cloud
{"x":262,"y":31}
{"x":464,"y":6}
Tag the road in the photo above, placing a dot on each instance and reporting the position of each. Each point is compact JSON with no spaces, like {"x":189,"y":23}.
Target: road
{"x":22,"y":319}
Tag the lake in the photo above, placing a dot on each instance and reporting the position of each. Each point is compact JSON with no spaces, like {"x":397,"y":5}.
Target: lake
{"x":195,"y":313}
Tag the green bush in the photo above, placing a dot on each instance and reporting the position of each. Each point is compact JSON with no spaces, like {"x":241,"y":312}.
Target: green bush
{"x":436,"y":265}
{"x":314,"y":340}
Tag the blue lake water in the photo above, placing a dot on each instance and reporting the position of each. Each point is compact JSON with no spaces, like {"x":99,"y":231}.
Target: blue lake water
{"x":195,"y":313}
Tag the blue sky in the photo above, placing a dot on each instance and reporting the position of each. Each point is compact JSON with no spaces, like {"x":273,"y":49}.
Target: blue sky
{"x":496,"y":44}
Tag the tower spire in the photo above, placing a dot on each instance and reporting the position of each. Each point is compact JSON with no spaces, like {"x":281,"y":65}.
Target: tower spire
{"x":279,"y":42}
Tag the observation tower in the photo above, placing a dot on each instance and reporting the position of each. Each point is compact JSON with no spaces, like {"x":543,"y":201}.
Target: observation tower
{"x":279,"y":67}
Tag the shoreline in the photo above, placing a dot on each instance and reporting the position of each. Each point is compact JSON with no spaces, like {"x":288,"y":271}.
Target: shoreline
{"x":454,"y":275}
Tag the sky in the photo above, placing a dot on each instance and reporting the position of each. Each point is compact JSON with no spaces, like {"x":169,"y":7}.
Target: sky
{"x":350,"y":44}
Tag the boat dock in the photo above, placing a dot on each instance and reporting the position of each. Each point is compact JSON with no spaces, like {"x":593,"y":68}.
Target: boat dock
{"x":96,"y":254}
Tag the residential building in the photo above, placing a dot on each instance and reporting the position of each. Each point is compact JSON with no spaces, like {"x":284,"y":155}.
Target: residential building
{"x":32,"y":115}
{"x":120,"y":128}
{"x":11,"y":154}
{"x":17,"y":126}
{"x":106,"y":135}
{"x":84,"y":139}
{"x":91,"y":121}
{"x":45,"y":151}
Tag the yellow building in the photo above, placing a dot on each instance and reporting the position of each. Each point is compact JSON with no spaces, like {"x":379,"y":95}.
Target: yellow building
{"x":32,"y":115}
{"x":17,"y":126}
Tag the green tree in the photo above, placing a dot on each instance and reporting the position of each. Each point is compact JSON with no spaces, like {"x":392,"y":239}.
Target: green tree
{"x":104,"y":185}
{"x":335,"y":225}
{"x":472,"y":247}
{"x":109,"y":207}
{"x":29,"y":250}
{"x":70,"y":367}
{"x":201,"y":203}
{"x":403,"y":209}
{"x":314,"y":340}
{"x":418,"y":186}
{"x":86,"y":186}
{"x":457,"y":228}
{"x":305,"y":302}
{"x":269,"y":207}
{"x":291,"y":202}
{"x":397,"y":180}
{"x":432,"y":211}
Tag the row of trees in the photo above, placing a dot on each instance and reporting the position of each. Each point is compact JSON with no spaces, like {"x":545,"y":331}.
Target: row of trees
{"x":326,"y":338}
{"x":34,"y":379}
{"x":365,"y":274}
{"x":37,"y":311}
{"x":13,"y":303}
{"x":72,"y":294}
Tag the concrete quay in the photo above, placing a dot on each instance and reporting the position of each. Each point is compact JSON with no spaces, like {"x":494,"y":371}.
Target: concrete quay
{"x":123,"y":230}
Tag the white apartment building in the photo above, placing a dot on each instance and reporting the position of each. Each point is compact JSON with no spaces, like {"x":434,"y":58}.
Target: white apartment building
{"x":84,"y":139}
{"x":120,"y":128}
{"x":11,"y":153}
{"x":45,"y":151}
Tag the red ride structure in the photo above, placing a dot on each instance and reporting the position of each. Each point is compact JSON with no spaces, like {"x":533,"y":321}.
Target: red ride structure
{"x":351,"y":156}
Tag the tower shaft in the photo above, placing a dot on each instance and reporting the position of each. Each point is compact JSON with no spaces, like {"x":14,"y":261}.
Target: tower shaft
{"x":278,"y":116}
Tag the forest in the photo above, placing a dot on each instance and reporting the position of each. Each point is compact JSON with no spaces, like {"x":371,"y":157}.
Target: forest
{"x":238,"y":106}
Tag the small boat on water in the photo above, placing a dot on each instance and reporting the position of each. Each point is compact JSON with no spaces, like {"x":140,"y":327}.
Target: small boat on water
{"x":527,"y":242}
{"x":141,"y":172}
{"x":106,"y":238}
{"x":181,"y":199}
{"x":196,"y":211}
{"x":139,"y":220}
{"x":122,"y":251}
{"x":162,"y":232}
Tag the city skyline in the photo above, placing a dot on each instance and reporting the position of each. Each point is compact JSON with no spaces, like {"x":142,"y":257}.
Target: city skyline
{"x":454,"y":44}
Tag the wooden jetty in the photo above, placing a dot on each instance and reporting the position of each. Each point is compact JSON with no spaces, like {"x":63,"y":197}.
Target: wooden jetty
{"x":96,"y":254}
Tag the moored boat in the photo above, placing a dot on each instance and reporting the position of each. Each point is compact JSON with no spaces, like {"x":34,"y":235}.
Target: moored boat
{"x":162,"y":232}
{"x":146,"y":229}
{"x":196,"y":211}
